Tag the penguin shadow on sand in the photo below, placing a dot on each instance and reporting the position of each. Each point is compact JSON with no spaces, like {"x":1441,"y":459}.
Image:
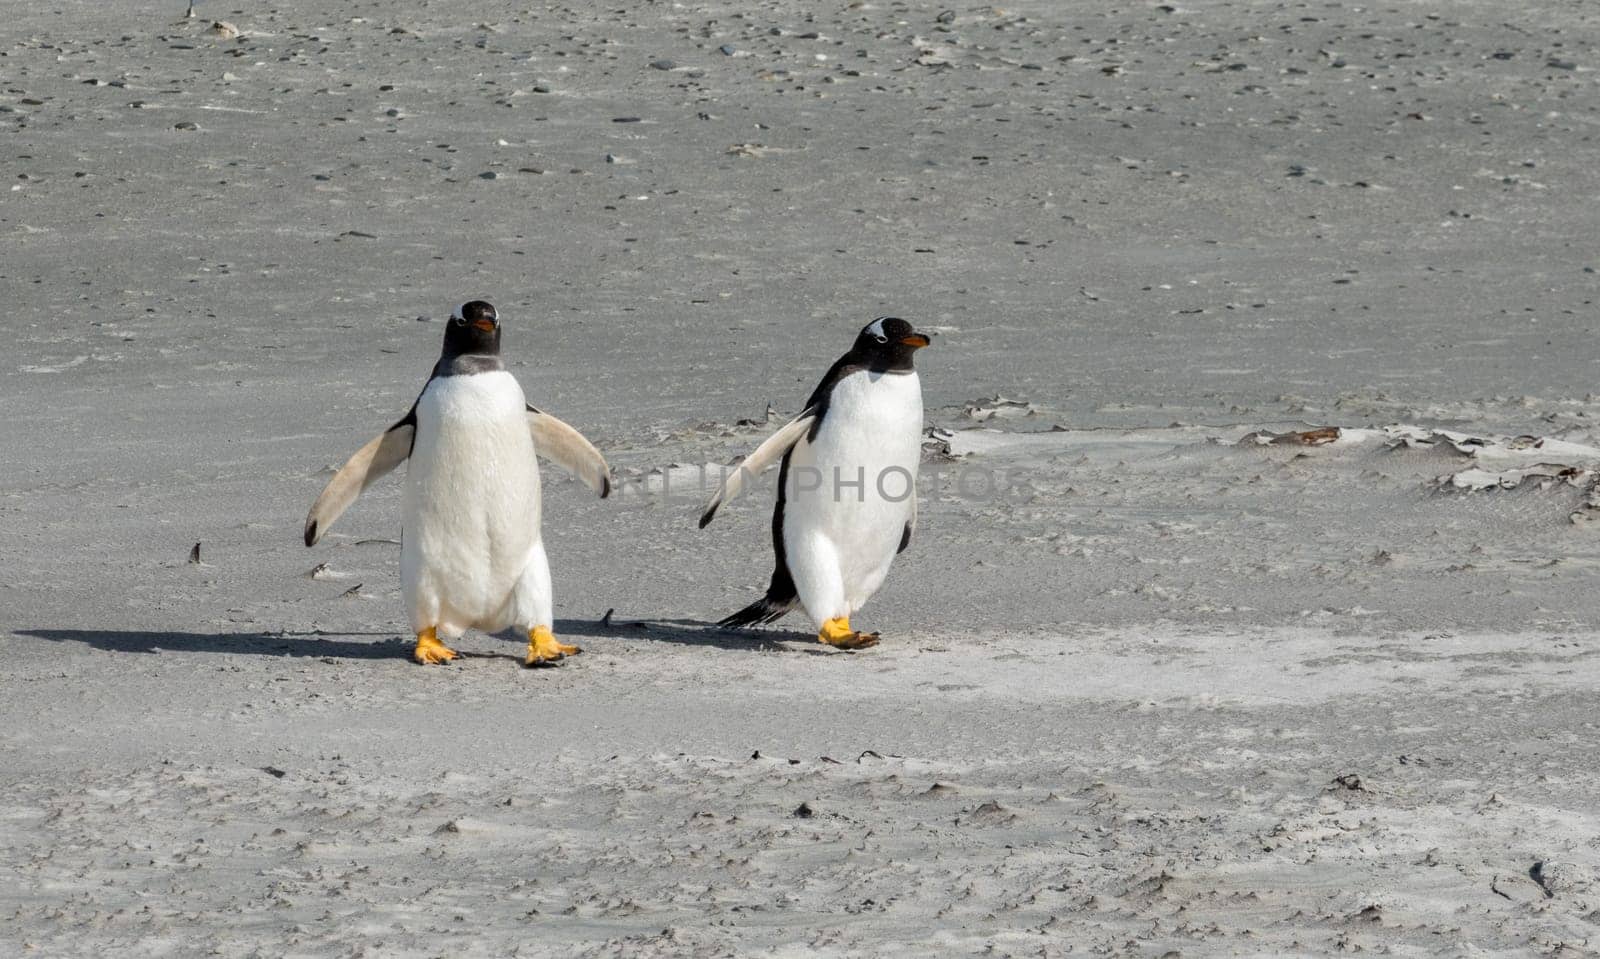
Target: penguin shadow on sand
{"x":692,"y":632}
{"x":394,"y":645}
{"x":595,"y":635}
{"x":313,"y":645}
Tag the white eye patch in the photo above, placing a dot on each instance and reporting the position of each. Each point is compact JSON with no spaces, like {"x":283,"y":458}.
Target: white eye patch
{"x":456,"y":314}
{"x":876,"y":329}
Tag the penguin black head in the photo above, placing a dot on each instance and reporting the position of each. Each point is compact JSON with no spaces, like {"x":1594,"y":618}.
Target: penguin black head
{"x":473,"y":330}
{"x":886,"y":345}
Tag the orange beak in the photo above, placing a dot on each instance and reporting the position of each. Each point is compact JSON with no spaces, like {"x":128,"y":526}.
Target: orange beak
{"x":915,"y":341}
{"x":486,"y":326}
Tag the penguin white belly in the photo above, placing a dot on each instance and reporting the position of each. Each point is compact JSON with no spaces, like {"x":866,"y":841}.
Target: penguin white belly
{"x":851,"y":491}
{"x":471,"y":514}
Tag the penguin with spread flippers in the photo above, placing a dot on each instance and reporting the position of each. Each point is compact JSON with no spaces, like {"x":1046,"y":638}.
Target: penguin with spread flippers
{"x":847,"y":486}
{"x":471,"y":554}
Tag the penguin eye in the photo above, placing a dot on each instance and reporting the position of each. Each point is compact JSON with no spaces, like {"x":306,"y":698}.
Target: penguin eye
{"x":880,"y":337}
{"x":459,"y":320}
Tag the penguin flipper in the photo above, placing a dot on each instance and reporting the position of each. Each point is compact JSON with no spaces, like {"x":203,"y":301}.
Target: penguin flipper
{"x":758,"y":462}
{"x":911,"y":524}
{"x":567,"y":448}
{"x":370,"y":463}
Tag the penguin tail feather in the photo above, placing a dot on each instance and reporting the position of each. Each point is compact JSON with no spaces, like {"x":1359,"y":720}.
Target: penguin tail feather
{"x":759,"y":613}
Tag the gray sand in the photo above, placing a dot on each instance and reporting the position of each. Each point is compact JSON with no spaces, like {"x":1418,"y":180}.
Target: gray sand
{"x":1177,"y":693}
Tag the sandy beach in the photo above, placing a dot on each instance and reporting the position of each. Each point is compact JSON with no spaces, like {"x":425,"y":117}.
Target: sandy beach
{"x":1251,"y":608}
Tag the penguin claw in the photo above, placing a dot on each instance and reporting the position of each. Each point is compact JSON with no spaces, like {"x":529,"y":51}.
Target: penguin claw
{"x":838,"y":634}
{"x":429,"y":651}
{"x":544,"y":650}
{"x":857,"y":641}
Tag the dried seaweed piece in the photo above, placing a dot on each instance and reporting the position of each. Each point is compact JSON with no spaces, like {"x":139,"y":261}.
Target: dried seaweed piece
{"x":1321,"y":436}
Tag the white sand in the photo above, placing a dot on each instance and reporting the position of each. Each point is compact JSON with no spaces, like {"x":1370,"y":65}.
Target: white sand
{"x":1172,"y":695}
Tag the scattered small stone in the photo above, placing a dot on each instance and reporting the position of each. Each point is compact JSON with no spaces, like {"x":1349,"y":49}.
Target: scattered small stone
{"x":624,"y":119}
{"x":181,"y":125}
{"x":224,"y":29}
{"x":1537,"y":873}
{"x":353,"y":592}
{"x":488,"y":175}
{"x":663,"y":65}
{"x":947,"y":16}
{"x":194,"y":555}
{"x":1349,"y":781}
{"x":804,"y":811}
{"x":728,"y":49}
{"x":274,"y":772}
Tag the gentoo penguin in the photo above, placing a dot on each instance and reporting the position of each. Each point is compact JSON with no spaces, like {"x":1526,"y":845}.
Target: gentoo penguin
{"x":847,"y":489}
{"x":471,"y":555}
